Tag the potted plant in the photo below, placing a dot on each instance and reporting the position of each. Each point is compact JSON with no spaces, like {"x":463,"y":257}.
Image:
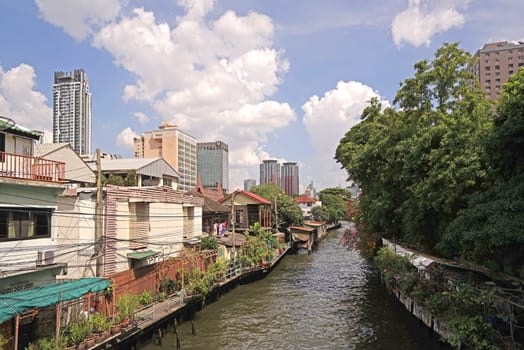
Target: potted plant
{"x":116,"y":325}
{"x":78,"y":332}
{"x":161,"y":296}
{"x":126,"y":306}
{"x":145,"y":298}
{"x":101,"y":326}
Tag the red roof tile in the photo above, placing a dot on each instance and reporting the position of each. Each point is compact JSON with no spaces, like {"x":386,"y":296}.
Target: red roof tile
{"x":252,"y":195}
{"x":304,"y":199}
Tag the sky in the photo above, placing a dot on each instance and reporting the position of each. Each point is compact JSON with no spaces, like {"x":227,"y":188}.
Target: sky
{"x":274,"y":79}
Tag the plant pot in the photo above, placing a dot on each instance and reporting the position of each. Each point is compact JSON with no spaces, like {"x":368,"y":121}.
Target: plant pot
{"x":101,"y":336}
{"x":115,"y":329}
{"x":90,"y":341}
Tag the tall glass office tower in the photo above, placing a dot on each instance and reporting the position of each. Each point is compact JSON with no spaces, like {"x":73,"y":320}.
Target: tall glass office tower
{"x":213,"y":164}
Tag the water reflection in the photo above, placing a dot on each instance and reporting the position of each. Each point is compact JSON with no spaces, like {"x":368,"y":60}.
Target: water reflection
{"x":331,"y":299}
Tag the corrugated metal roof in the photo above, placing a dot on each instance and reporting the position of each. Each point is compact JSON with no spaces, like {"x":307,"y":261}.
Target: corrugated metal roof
{"x":42,"y":149}
{"x":9,"y":125}
{"x":144,"y":166}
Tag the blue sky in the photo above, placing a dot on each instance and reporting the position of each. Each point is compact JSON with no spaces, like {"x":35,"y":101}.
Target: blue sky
{"x":273,"y":79}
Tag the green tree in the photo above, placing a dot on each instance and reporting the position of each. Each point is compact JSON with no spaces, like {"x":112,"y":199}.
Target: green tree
{"x":320,"y":213}
{"x":490,"y":229}
{"x":112,"y":179}
{"x":415,"y":165}
{"x":334,"y":202}
{"x":289,"y":213}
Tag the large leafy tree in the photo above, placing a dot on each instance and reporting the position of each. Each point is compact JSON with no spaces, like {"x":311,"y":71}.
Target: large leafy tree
{"x":415,"y":164}
{"x":334,"y":203}
{"x":289,"y":213}
{"x":490,"y":230}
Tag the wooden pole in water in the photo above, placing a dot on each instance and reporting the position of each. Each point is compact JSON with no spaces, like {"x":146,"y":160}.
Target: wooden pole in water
{"x":193,"y":332}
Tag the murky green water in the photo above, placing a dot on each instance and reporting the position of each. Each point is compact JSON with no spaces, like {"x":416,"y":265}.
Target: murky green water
{"x":331,"y":299}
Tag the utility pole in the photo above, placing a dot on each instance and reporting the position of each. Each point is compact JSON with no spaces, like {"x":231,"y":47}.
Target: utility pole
{"x":276,"y":216}
{"x":98,"y":213}
{"x":233,"y":219}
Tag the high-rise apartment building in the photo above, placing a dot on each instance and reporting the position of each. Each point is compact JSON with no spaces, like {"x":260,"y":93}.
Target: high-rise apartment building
{"x":289,"y":178}
{"x":248,"y":183}
{"x":178,"y":148}
{"x":72,"y":110}
{"x":496,"y":62}
{"x":213,"y":164}
{"x":270,"y":172}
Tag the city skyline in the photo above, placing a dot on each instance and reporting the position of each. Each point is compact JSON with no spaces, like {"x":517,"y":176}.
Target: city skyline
{"x":273,"y":80}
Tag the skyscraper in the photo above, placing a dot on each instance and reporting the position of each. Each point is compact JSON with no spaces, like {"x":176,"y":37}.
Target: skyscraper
{"x":213,"y":164}
{"x":72,"y":110}
{"x":289,"y":177}
{"x":178,"y":148}
{"x":248,"y":183}
{"x":496,"y":62}
{"x":270,"y":172}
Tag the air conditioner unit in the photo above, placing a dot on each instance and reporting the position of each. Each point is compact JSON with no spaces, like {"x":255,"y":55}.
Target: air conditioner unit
{"x":45,"y":257}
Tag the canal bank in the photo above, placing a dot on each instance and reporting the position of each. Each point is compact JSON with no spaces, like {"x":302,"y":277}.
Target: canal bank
{"x":152,"y":323}
{"x":331,"y":299}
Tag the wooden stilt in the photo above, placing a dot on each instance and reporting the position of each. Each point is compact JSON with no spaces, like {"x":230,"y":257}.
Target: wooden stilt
{"x":17,"y":330}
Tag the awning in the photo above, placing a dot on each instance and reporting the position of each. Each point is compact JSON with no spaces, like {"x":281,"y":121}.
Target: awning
{"x":142,"y":255}
{"x":16,"y":303}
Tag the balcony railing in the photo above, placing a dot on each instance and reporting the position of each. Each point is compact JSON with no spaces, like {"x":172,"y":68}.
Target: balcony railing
{"x":17,"y":166}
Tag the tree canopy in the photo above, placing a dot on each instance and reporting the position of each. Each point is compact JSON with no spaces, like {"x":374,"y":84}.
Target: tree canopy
{"x":490,"y":229}
{"x":334,"y":204}
{"x":445,"y":169}
{"x":415,"y":164}
{"x":289,"y":213}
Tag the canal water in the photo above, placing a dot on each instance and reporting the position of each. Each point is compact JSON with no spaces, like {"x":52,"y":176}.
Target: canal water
{"x":331,"y":299}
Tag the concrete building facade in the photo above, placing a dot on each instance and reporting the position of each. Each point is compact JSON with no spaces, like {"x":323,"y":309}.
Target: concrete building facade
{"x":72,"y":110}
{"x":178,"y":148}
{"x":290,"y":179}
{"x":248,"y":183}
{"x":270,"y":172}
{"x":495,"y":63}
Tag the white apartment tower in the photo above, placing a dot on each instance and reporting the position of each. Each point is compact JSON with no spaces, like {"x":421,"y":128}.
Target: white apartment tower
{"x":72,"y":110}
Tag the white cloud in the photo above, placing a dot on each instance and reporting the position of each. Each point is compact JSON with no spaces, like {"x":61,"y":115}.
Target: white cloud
{"x":328,"y":118}
{"x":212,"y":78}
{"x":20,"y":102}
{"x":142,"y":117}
{"x":424,"y":18}
{"x":79,"y":18}
{"x":125,"y":138}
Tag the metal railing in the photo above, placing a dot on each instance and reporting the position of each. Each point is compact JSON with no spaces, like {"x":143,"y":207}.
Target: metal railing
{"x":17,"y":166}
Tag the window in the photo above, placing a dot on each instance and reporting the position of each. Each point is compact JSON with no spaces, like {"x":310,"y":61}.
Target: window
{"x":138,"y":225}
{"x":24,"y":223}
{"x":2,"y":147}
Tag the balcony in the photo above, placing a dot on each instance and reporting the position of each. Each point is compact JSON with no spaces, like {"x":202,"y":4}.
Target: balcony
{"x":17,"y":166}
